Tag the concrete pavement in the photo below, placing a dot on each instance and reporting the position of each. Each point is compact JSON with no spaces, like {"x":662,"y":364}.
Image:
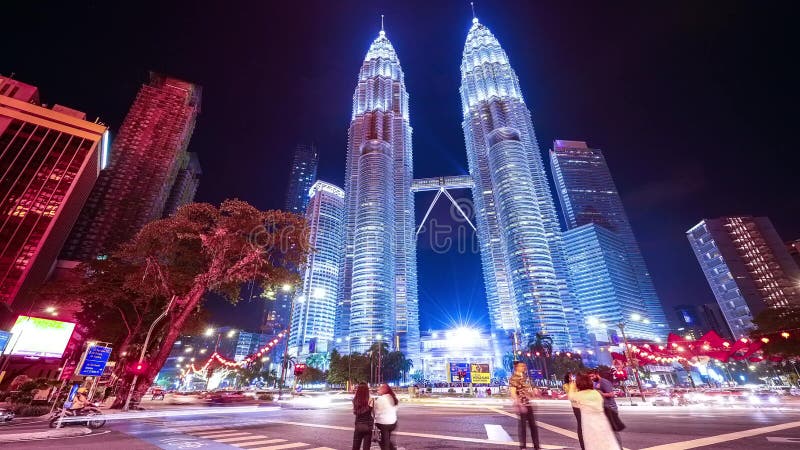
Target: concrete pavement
{"x":436,"y":426}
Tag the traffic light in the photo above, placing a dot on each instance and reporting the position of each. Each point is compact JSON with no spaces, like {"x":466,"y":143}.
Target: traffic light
{"x":138,"y":368}
{"x":299,"y":369}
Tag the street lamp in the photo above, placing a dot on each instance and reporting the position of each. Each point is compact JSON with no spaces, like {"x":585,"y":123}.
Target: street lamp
{"x":632,"y":359}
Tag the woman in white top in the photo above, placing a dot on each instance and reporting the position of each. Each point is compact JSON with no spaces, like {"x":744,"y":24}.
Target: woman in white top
{"x":597,"y":433}
{"x":385,"y":408}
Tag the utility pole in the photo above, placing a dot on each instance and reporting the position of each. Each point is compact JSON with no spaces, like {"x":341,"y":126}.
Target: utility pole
{"x":631,"y":360}
{"x":144,"y":350}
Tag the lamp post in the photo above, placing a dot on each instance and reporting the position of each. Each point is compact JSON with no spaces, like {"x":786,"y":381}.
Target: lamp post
{"x":632,"y":359}
{"x":285,"y":363}
{"x":378,"y":339}
{"x":144,"y":350}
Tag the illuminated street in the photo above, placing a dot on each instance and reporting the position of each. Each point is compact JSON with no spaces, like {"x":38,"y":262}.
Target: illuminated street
{"x":437,"y":426}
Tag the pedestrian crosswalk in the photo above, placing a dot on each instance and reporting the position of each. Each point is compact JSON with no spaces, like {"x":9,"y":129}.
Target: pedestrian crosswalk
{"x":225,"y":435}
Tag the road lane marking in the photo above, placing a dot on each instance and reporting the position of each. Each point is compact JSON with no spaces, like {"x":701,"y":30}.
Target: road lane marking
{"x":783,"y":440}
{"x":239,"y":438}
{"x":422,"y":435}
{"x":217,"y":434}
{"x":711,"y":440}
{"x":261,"y":442}
{"x":546,"y":426}
{"x":282,"y":446}
{"x":496,"y":433}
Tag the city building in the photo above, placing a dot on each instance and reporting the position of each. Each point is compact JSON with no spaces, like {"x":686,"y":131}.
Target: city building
{"x":186,"y":183}
{"x":587,"y":194}
{"x":690,"y":321}
{"x":145,"y":160}
{"x":302,"y":175}
{"x":604,"y":282}
{"x":747,"y":267}
{"x":518,"y":231}
{"x":462,"y":345}
{"x":714,"y":320}
{"x":794,"y":250}
{"x":379,"y":293}
{"x":49,"y":161}
{"x":315,"y":309}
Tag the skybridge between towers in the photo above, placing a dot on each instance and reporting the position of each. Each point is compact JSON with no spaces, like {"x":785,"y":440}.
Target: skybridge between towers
{"x":441,"y":185}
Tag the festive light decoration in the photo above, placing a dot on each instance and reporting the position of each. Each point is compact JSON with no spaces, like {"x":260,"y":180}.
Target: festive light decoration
{"x":225,"y":362}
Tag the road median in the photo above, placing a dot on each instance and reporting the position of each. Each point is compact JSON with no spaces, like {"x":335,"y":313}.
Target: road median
{"x":37,"y":435}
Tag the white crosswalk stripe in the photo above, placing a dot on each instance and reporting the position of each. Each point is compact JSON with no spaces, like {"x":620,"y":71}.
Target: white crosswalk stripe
{"x":250,"y":444}
{"x":282,"y":446}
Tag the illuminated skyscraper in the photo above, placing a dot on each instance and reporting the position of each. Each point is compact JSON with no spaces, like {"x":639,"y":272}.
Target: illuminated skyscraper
{"x":518,"y":230}
{"x":315,"y":307}
{"x":588,"y":195}
{"x":379,"y":294}
{"x":747,"y":267}
{"x":186,"y":183}
{"x":302,"y":175}
{"x":145,"y":159}
{"x":49,"y":161}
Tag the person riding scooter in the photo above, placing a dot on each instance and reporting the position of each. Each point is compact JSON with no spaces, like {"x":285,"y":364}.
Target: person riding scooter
{"x":80,"y":401}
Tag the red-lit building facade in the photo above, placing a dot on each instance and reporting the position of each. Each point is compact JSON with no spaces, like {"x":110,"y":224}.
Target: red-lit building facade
{"x":49,"y":162}
{"x":147,"y":155}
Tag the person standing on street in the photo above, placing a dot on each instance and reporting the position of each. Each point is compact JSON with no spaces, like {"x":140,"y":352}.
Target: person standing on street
{"x":362,"y":409}
{"x":606,"y":389}
{"x":386,"y":415}
{"x":522,"y":394}
{"x":570,"y":388}
{"x":597,"y":432}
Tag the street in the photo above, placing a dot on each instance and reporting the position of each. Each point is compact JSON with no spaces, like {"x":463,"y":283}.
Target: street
{"x":431,"y":425}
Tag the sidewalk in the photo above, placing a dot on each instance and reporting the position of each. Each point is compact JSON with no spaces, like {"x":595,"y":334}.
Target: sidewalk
{"x":56,"y":433}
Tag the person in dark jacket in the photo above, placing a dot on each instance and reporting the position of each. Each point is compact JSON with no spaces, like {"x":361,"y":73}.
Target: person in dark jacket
{"x":362,"y":409}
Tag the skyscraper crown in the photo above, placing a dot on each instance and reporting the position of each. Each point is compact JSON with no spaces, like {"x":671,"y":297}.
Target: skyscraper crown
{"x":485,"y":69}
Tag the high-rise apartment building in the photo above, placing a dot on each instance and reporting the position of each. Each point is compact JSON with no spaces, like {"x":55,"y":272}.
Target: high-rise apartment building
{"x":588,"y":194}
{"x":518,"y":230}
{"x":145,"y":160}
{"x":794,"y":250}
{"x":747,"y":267}
{"x":186,"y":183}
{"x":49,"y":161}
{"x":379,"y":293}
{"x":604,"y":282}
{"x":315,"y":308}
{"x":302,"y":175}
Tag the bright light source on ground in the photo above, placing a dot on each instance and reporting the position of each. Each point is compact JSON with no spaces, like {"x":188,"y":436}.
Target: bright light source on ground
{"x":188,"y":350}
{"x":463,"y":337}
{"x":209,"y":331}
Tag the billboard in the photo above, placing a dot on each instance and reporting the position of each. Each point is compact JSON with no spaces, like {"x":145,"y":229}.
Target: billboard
{"x":35,"y":336}
{"x":480,"y":373}
{"x":473,"y":373}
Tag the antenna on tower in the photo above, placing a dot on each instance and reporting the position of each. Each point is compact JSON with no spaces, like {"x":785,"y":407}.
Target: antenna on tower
{"x":472,"y":5}
{"x":381,"y":22}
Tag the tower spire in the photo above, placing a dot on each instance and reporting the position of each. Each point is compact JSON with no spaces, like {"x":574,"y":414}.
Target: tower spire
{"x":474,"y":17}
{"x":382,"y":33}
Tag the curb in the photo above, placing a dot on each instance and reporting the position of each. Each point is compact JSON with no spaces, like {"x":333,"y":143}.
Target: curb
{"x":57,"y":433}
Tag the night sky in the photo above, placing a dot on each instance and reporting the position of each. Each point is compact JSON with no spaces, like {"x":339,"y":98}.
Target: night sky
{"x":693,"y":103}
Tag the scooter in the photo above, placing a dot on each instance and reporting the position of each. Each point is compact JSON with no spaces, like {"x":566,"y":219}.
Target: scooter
{"x":88,"y":416}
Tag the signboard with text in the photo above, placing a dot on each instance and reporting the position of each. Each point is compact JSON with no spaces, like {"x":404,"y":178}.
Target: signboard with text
{"x":459,"y":372}
{"x":5,"y":336}
{"x":95,"y":361}
{"x":480,"y":373}
{"x":39,"y":337}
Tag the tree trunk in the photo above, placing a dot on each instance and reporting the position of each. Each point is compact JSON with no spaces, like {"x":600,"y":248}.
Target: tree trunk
{"x":176,"y":319}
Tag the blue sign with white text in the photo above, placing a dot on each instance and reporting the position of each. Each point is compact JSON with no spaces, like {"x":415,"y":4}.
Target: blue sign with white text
{"x":95,"y":362}
{"x":5,"y":336}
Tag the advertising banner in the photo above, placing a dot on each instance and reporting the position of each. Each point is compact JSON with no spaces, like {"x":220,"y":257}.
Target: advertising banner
{"x":480,"y":373}
{"x":455,"y":368}
{"x":35,"y":336}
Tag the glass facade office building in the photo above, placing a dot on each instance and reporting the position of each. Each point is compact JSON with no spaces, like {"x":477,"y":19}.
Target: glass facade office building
{"x":588,"y":194}
{"x":379,"y":294}
{"x":302,"y":175}
{"x":518,"y":230}
{"x":747,"y":266}
{"x":604,"y":282}
{"x":315,"y":307}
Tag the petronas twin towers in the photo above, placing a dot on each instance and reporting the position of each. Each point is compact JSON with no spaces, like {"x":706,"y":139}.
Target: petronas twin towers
{"x":518,"y":230}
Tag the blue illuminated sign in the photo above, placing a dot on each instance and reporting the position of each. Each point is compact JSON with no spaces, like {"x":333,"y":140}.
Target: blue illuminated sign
{"x":5,"y":336}
{"x":95,"y":361}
